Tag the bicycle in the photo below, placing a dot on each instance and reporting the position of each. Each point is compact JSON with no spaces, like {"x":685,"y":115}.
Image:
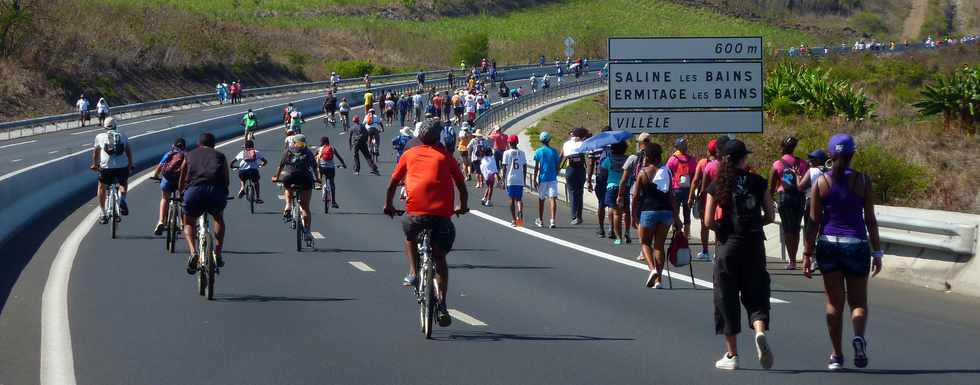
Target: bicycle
{"x":112,"y":207}
{"x":250,"y":193}
{"x":295,"y":222}
{"x":425,"y":293}
{"x":207,"y":267}
{"x":172,"y":219}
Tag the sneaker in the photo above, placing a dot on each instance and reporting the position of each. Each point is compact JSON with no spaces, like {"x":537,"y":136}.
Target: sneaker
{"x":334,"y":205}
{"x":123,"y":207}
{"x":410,"y":280}
{"x":258,"y":201}
{"x":641,"y":257}
{"x":658,"y":286}
{"x":791,"y":266}
{"x":520,"y":222}
{"x":489,"y":204}
{"x":576,"y":221}
{"x":375,"y":172}
{"x":612,"y":235}
{"x":287,"y":215}
{"x":703,"y":256}
{"x":552,"y":225}
{"x":192,"y":265}
{"x":442,"y":315}
{"x":513,"y":223}
{"x":835,"y":362}
{"x":159,"y":229}
{"x":618,"y":242}
{"x":860,"y":351}
{"x":727,"y":362}
{"x":308,"y":235}
{"x":537,"y":222}
{"x":357,"y":173}
{"x":601,"y":233}
{"x":627,"y":238}
{"x":219,"y":260}
{"x":241,"y":194}
{"x":103,"y":220}
{"x":651,"y":278}
{"x":763,"y":351}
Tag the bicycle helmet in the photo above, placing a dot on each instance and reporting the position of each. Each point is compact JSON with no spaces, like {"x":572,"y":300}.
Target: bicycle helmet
{"x":109,"y":123}
{"x":357,"y":119}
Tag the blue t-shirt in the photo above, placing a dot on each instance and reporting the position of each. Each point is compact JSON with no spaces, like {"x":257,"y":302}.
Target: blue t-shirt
{"x":613,"y":164}
{"x":547,"y":160}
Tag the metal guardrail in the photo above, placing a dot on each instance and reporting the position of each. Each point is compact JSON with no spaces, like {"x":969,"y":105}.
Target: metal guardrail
{"x":38,"y":125}
{"x":880,"y":49}
{"x":952,"y":238}
{"x":519,"y":105}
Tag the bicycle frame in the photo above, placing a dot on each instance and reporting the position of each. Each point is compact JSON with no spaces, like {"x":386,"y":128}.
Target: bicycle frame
{"x":425,"y":290}
{"x":207,"y":265}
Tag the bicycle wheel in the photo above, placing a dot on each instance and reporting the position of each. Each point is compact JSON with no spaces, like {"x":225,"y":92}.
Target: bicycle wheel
{"x":169,"y":235}
{"x":298,"y":219}
{"x":172,"y":218}
{"x":202,"y":249}
{"x":428,"y":302}
{"x":250,"y":193}
{"x":210,"y":268}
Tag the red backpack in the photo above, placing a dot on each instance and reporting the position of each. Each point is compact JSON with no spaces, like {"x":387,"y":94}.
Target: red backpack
{"x":682,"y":177}
{"x":172,"y":166}
{"x":326,"y":153}
{"x":250,"y":155}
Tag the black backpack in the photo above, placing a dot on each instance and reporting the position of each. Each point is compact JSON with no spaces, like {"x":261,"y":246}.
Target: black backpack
{"x":114,"y":143}
{"x":746,"y":210}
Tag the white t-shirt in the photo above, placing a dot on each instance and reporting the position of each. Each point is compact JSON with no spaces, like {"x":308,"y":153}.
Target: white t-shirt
{"x":248,"y":165}
{"x":815,"y":174}
{"x":570,"y":147}
{"x":514,"y":161}
{"x":663,"y":179}
{"x":488,"y":166}
{"x":82,"y":104}
{"x":417,"y":100}
{"x":107,"y":161}
{"x":470,"y":103}
{"x":102,"y":107}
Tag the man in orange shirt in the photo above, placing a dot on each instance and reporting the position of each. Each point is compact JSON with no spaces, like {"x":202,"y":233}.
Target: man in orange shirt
{"x":429,"y":174}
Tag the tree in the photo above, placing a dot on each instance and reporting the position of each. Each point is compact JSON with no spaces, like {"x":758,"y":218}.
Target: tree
{"x":471,"y":49}
{"x":14,"y":20}
{"x":954,"y":96}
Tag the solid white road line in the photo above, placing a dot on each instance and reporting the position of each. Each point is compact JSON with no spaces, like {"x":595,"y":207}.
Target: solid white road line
{"x":87,"y":131}
{"x":597,"y":253}
{"x":361,"y":266}
{"x":57,"y":358}
{"x":317,"y":235}
{"x":465,"y":318}
{"x":18,"y":144}
{"x":143,"y":121}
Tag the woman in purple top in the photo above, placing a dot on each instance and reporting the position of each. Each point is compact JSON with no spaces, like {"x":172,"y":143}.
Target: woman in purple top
{"x":842,"y":202}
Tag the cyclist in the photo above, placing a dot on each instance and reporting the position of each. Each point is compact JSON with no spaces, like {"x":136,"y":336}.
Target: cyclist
{"x":328,"y":169}
{"x":249,"y":121}
{"x":426,"y":171}
{"x":113,"y":160}
{"x":168,"y":171}
{"x":334,"y":81}
{"x":400,"y":142}
{"x":297,"y":171}
{"x":330,"y":108}
{"x":367,"y":81}
{"x":248,"y":162}
{"x":368,"y":99}
{"x":287,"y":113}
{"x":357,"y":142}
{"x":375,"y":127}
{"x":296,"y":121}
{"x":204,"y":181}
{"x":344,"y":109}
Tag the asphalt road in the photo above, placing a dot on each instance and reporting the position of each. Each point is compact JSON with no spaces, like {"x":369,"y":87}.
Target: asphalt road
{"x":534,"y":307}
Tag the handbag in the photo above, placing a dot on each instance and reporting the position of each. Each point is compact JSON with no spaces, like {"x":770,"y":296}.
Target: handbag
{"x":679,"y":253}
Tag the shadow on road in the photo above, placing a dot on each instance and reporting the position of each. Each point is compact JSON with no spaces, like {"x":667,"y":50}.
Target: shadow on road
{"x":250,"y":252}
{"x":356,"y":251}
{"x":894,"y":372}
{"x":491,"y":336}
{"x":499,"y":267}
{"x":263,"y":298}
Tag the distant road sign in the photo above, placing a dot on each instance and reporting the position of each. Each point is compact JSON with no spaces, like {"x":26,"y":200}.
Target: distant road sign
{"x":569,"y":52}
{"x":687,"y":122}
{"x":685,"y":85}
{"x":685,"y":48}
{"x":569,"y":41}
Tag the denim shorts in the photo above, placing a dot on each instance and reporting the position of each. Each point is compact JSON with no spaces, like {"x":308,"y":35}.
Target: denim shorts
{"x":650,"y":219}
{"x":852,"y":259}
{"x":168,"y":186}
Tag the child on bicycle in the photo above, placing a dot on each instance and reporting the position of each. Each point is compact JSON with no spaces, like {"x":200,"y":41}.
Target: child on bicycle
{"x":248,"y":162}
{"x":328,"y":170}
{"x":168,"y":172}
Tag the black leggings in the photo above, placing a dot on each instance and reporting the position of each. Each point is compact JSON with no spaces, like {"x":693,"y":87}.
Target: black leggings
{"x":361,"y":148}
{"x":740,"y":274}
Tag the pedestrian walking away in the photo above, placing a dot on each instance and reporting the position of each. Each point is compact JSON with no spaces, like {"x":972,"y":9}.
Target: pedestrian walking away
{"x":655,"y":210}
{"x":613,"y":165}
{"x":738,"y":206}
{"x":575,"y":172}
{"x":545,"y":178}
{"x":515,"y":173}
{"x":783,"y":181}
{"x":846,"y":245}
{"x":595,"y":181}
{"x":682,"y":167}
{"x":696,"y":196}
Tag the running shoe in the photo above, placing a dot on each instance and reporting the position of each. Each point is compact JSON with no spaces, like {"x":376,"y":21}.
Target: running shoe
{"x":513,"y":223}
{"x":627,"y":238}
{"x":537,"y":222}
{"x":410,"y":280}
{"x":576,"y":221}
{"x":357,"y":173}
{"x":220,"y":261}
{"x":259,"y":201}
{"x":861,"y":349}
{"x":552,"y":225}
{"x":123,"y":207}
{"x":375,"y":172}
{"x":658,"y":286}
{"x":791,"y":266}
{"x":651,"y":278}
{"x":192,"y":264}
{"x":442,"y":315}
{"x":703,"y":256}
{"x":520,"y":222}
{"x":601,"y":233}
{"x":241,"y":194}
{"x":103,"y":220}
{"x":159,"y":229}
{"x":641,"y":257}
{"x":835,"y":362}
{"x":762,"y":349}
{"x":727,"y":362}
{"x":612,"y":234}
{"x":334,"y":205}
{"x":618,"y":242}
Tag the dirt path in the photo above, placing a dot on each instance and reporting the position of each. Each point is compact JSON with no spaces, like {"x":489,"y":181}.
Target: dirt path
{"x":913,"y":23}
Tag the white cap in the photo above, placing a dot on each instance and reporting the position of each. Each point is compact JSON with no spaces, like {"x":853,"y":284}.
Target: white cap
{"x":109,"y":123}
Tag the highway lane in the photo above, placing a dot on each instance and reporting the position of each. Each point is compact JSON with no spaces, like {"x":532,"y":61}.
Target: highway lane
{"x":552,"y":314}
{"x":19,"y":153}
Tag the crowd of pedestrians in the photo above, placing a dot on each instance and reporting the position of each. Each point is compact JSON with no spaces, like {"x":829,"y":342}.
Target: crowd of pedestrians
{"x":875,"y":46}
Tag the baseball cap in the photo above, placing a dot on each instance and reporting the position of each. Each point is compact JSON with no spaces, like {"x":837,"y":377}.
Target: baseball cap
{"x":713,"y":146}
{"x":818,"y":154}
{"x":736,"y":148}
{"x":109,"y":123}
{"x":643,"y":137}
{"x":841,"y":144}
{"x":512,"y":139}
{"x":544,"y":137}
{"x":299,"y":138}
{"x":680,"y":142}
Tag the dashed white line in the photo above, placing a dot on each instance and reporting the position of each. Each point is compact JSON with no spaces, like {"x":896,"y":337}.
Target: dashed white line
{"x":18,"y":144}
{"x":361,"y":266}
{"x":143,"y":121}
{"x":466,"y":318}
{"x":318,"y":235}
{"x":597,"y":253}
{"x":16,"y":160}
{"x":86,"y":131}
{"x":53,"y":152}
